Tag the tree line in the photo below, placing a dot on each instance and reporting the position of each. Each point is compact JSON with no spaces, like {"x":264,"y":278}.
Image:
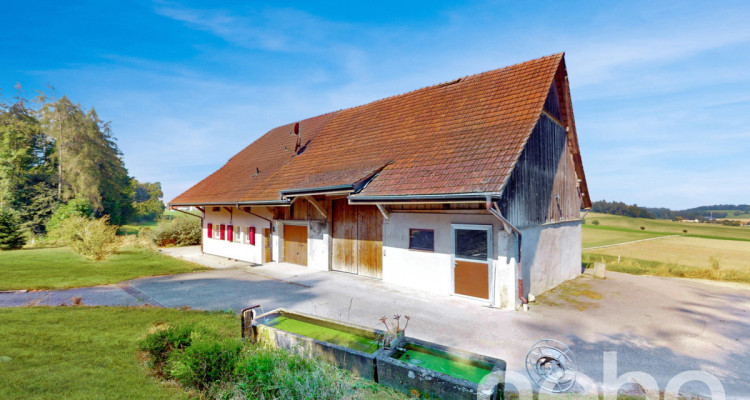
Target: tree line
{"x":53,"y":151}
{"x":699,"y":213}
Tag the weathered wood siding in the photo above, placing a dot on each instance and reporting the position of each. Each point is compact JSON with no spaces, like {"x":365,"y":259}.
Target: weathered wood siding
{"x":543,"y":187}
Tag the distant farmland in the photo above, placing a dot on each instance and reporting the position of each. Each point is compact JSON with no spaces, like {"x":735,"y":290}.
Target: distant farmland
{"x":707,"y":251}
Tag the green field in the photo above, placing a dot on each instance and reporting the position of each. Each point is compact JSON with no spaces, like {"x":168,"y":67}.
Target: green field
{"x":668,"y":227}
{"x":87,"y":352}
{"x":593,"y":236}
{"x":706,"y":251}
{"x":61,"y":268}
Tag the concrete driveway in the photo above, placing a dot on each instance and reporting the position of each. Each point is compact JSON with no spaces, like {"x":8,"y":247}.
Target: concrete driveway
{"x":661,"y":327}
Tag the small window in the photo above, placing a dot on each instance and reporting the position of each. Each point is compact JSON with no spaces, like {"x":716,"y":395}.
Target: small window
{"x":216,"y":232}
{"x":422,"y":239}
{"x":471,"y":244}
{"x":210,"y":230}
{"x":237,"y":235}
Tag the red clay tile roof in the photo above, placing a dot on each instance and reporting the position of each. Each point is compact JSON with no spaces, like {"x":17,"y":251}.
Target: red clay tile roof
{"x":463,"y":136}
{"x":236,"y":178}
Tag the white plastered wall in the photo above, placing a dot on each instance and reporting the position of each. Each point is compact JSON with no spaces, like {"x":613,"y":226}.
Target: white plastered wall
{"x":433,"y":271}
{"x":239,"y":219}
{"x":551,"y":255}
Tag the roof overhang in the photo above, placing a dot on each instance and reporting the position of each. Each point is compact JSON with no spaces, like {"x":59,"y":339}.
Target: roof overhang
{"x":425,"y":198}
{"x":269,"y":203}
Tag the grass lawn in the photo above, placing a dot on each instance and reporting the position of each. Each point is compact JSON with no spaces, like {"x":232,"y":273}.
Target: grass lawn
{"x":86,"y":352}
{"x":60,"y":268}
{"x":669,"y":227}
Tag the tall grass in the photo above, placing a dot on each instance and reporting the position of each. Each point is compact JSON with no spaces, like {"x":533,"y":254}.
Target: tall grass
{"x":644,"y":267}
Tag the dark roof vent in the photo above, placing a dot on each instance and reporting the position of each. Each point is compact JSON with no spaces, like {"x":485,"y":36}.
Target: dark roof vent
{"x":257,"y":171}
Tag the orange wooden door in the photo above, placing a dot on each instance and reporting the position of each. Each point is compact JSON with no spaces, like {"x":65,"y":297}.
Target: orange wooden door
{"x":344,"y":237}
{"x":472,"y":258}
{"x":295,"y":244}
{"x":266,"y":245}
{"x":472,"y":279}
{"x":369,"y":241}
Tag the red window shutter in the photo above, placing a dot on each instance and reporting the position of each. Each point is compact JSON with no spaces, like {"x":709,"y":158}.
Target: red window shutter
{"x":230,"y":231}
{"x":251,"y":235}
{"x":222,"y":232}
{"x":210,"y":228}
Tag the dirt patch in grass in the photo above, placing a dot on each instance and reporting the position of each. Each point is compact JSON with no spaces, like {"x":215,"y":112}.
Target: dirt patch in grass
{"x":576,"y":293}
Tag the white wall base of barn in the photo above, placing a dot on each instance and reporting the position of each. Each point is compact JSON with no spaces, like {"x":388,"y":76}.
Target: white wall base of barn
{"x":551,"y":252}
{"x":551,"y":255}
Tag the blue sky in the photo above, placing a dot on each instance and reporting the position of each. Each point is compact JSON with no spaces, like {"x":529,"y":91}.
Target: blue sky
{"x":661,"y":90}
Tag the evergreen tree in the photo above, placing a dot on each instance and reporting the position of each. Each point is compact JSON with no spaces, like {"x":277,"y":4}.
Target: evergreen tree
{"x":10,"y":234}
{"x":25,"y":167}
{"x":89,"y":162}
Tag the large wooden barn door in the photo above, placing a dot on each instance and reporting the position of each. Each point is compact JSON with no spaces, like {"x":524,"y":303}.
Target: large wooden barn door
{"x":344,"y":237}
{"x":370,"y":241}
{"x":357,"y":239}
{"x":295,"y":244}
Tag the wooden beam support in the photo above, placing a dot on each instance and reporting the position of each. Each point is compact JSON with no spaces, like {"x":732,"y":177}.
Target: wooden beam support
{"x":317,"y":206}
{"x":383,"y":211}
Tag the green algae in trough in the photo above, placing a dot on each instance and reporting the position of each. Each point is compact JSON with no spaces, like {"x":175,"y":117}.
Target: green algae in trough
{"x":325,"y":334}
{"x":439,"y":361}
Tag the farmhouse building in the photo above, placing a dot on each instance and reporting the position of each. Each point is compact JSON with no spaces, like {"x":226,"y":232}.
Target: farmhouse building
{"x":471,"y":187}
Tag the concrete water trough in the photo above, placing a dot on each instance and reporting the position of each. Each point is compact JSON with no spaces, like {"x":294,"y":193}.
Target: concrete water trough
{"x":430,"y":370}
{"x":350,"y":347}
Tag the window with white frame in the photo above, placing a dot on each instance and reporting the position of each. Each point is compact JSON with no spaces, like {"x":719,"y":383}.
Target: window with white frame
{"x":216,"y":231}
{"x":238,"y":234}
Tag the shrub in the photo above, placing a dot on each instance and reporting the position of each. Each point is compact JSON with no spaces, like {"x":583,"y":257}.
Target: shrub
{"x":10,"y":234}
{"x":75,"y":207}
{"x":643,"y":228}
{"x":180,"y":231}
{"x":595,"y":222}
{"x":160,"y":344}
{"x":206,"y":361}
{"x":94,"y":239}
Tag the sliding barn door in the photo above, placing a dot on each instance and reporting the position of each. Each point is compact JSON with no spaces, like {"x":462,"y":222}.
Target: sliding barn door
{"x":357,"y":239}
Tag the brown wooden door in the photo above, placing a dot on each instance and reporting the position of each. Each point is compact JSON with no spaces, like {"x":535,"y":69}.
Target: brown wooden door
{"x":357,"y":239}
{"x":266,"y":245}
{"x":295,"y":244}
{"x":369,"y":241}
{"x":344,"y":237}
{"x":471,"y":255}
